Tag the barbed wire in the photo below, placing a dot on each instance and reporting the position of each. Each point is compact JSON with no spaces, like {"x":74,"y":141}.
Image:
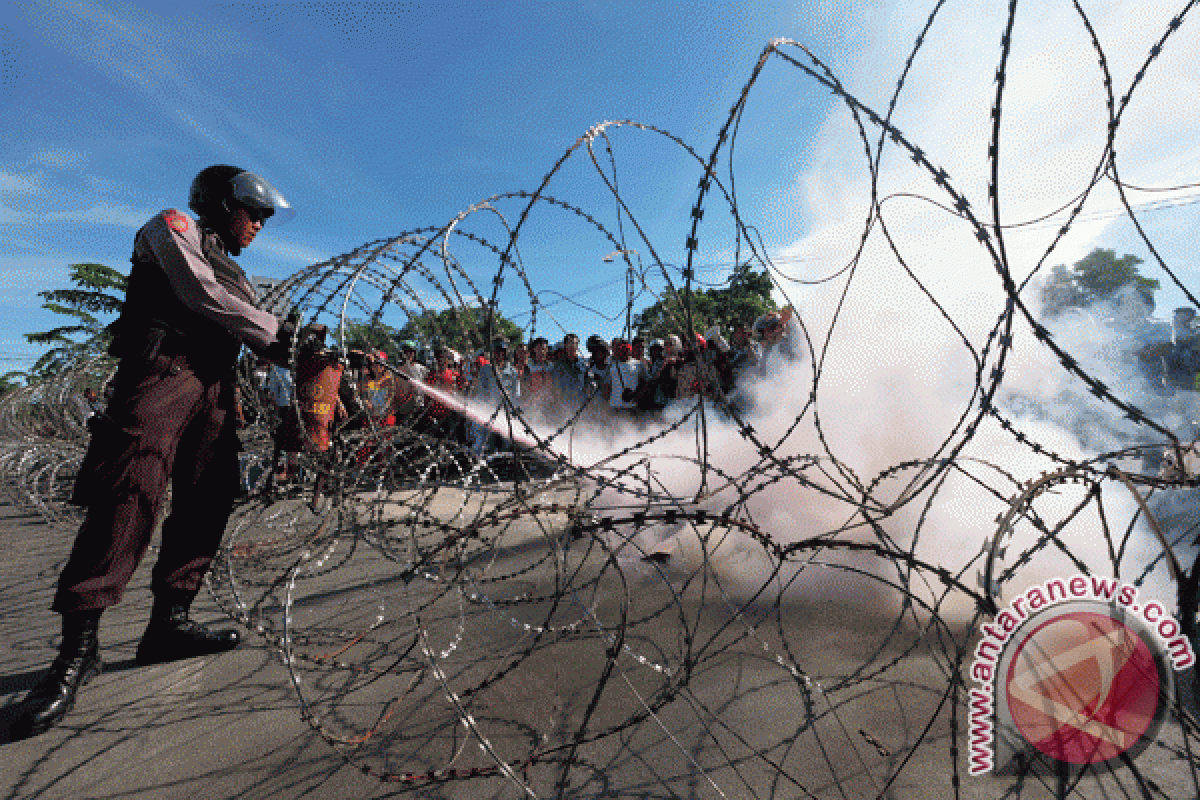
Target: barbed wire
{"x":723,"y":599}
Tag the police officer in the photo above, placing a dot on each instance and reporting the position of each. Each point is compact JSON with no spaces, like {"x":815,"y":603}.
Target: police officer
{"x":188,"y":310}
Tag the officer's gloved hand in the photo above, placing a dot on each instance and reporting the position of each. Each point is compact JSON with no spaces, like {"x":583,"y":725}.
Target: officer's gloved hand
{"x":280,"y":350}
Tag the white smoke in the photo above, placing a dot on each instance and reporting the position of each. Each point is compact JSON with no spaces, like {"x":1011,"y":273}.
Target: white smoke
{"x":898,"y":376}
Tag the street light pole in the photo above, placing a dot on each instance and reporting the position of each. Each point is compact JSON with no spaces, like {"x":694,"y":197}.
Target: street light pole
{"x":629,"y":284}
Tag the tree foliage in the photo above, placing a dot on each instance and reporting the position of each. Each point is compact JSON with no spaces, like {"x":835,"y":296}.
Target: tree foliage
{"x":362,"y":335}
{"x":462,"y":329}
{"x":1096,"y":277}
{"x":11,"y":380}
{"x":747,"y":297}
{"x":98,"y":290}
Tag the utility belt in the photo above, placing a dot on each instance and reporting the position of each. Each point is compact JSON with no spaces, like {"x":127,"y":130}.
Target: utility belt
{"x":211,"y":357}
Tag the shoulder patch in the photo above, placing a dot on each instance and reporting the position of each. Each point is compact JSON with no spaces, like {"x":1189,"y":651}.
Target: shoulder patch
{"x":176,"y":220}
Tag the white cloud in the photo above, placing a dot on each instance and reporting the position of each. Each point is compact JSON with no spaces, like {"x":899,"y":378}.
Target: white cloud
{"x":61,"y":158}
{"x":15,"y":183}
{"x":160,"y":59}
{"x":34,"y":195}
{"x":289,"y":251}
{"x":98,"y":214}
{"x":102,"y":214}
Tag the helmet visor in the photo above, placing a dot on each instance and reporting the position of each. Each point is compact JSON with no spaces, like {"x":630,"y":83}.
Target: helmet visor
{"x":255,"y":192}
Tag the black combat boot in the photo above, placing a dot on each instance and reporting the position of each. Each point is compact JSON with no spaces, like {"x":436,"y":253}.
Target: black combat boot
{"x":171,"y":634}
{"x":78,"y":662}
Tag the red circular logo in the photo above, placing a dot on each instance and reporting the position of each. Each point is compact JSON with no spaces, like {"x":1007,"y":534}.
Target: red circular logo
{"x":177,"y":221}
{"x":1084,"y":687}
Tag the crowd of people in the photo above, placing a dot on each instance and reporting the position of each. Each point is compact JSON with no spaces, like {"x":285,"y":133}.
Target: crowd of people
{"x":560,"y":383}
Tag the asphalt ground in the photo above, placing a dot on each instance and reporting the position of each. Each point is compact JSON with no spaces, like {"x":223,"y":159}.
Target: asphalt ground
{"x":231,"y":726}
{"x":221,"y":727}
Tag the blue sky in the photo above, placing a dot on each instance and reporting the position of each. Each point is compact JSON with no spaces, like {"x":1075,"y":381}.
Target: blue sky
{"x":372,"y":118}
{"x":378,"y":118}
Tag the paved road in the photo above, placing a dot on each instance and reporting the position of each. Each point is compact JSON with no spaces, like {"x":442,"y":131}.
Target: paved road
{"x":230,"y":727}
{"x":223,"y":727}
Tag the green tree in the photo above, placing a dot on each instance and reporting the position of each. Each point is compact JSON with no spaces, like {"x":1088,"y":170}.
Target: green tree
{"x":747,"y":297}
{"x":11,"y":380}
{"x":463,"y":329}
{"x":1096,"y":277}
{"x":362,"y":335}
{"x":99,"y":290}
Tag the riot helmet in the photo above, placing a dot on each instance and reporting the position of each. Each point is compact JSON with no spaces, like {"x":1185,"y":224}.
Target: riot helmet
{"x":216,"y":189}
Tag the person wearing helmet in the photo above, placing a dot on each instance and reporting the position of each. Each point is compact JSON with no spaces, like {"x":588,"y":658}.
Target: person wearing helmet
{"x":188,"y":310}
